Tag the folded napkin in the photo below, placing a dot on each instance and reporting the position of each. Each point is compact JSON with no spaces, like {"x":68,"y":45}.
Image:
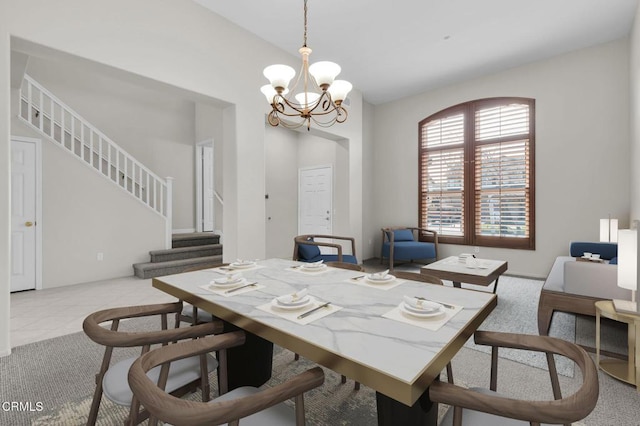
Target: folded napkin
{"x":231,"y":278}
{"x":379,"y":275}
{"x":421,"y":305}
{"x":243,"y":262}
{"x":314,"y":264}
{"x":293,"y":298}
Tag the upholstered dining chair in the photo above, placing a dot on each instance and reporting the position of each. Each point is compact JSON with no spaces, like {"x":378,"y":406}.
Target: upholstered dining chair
{"x":111,"y":380}
{"x":403,"y":244}
{"x":191,"y":314}
{"x":429,"y":279}
{"x":253,"y":406}
{"x":306,"y":248}
{"x":481,"y":407}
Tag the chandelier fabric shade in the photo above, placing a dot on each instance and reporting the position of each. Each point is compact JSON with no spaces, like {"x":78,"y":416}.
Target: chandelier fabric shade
{"x":319,"y":99}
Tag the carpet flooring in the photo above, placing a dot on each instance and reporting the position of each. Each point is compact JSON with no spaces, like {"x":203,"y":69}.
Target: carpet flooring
{"x":58,"y":376}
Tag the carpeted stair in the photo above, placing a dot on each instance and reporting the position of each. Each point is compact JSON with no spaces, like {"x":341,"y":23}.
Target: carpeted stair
{"x":193,"y":250}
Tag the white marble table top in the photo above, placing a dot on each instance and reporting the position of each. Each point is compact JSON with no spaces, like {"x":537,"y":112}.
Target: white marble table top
{"x":397,"y":359}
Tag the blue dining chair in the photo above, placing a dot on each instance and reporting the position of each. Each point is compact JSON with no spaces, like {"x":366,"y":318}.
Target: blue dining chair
{"x":306,"y":248}
{"x":403,"y":244}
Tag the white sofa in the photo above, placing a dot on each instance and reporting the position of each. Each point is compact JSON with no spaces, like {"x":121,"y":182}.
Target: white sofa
{"x":574,"y":286}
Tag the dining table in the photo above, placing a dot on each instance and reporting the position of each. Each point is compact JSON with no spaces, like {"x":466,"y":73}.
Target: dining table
{"x":362,"y":326}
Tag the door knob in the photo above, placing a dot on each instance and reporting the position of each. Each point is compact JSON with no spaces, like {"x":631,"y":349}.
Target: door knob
{"x":28,"y":224}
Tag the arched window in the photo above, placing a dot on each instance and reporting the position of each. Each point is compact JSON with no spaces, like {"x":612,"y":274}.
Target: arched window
{"x":477,"y":173}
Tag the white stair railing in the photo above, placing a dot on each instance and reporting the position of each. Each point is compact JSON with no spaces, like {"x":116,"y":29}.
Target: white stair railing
{"x":45,"y":113}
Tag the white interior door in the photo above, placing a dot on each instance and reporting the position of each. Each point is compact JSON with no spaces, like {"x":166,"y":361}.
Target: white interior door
{"x":23,"y":215}
{"x":207,"y":189}
{"x":315,"y":195}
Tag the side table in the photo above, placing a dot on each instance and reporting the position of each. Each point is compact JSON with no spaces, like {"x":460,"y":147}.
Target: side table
{"x":626,"y":370}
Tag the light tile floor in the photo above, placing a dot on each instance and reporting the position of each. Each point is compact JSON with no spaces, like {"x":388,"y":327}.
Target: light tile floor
{"x":42,"y":314}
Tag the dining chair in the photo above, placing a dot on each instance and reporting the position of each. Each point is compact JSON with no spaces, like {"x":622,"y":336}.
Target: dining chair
{"x":111,"y":380}
{"x":255,"y":407}
{"x":306,"y":248}
{"x":346,"y":265}
{"x":428,"y":279}
{"x":403,"y":243}
{"x":191,"y":314}
{"x":479,"y":407}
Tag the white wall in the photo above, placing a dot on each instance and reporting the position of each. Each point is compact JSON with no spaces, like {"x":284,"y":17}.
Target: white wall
{"x":634,"y":74}
{"x":582,"y":149}
{"x":156,"y":128}
{"x":5,"y":183}
{"x":181,"y":44}
{"x":209,"y":126}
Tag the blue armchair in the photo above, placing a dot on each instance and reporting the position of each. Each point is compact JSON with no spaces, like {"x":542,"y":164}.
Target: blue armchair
{"x":306,"y":248}
{"x":402,"y":243}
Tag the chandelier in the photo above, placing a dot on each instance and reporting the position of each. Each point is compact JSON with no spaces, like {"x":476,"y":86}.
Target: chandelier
{"x":319,"y":99}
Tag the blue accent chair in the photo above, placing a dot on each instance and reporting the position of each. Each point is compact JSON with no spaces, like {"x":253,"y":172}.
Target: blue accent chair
{"x":402,"y":243}
{"x":306,"y":248}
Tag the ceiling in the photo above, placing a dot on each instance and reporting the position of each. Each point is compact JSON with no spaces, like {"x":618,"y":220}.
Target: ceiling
{"x":390,"y":50}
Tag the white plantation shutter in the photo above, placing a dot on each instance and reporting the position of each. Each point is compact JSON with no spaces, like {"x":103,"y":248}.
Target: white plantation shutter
{"x":477,"y":174}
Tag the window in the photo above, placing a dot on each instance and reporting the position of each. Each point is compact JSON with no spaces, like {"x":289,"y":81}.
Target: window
{"x":476,"y":172}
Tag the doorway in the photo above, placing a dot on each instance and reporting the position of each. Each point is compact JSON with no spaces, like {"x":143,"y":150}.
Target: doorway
{"x":205,"y":187}
{"x":315,"y":197}
{"x":26,"y":221}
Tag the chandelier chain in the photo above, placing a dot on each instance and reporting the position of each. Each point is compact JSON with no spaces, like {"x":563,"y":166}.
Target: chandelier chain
{"x":305,"y":24}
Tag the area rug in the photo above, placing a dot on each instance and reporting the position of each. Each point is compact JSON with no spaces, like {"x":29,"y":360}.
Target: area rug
{"x":517,"y":312}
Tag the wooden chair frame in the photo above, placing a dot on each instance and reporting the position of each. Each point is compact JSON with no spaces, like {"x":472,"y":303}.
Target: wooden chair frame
{"x":305,"y":239}
{"x":112,"y":338}
{"x":187,"y":413}
{"x":559,"y":411}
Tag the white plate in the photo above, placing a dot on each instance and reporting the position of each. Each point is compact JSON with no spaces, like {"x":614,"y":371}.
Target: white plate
{"x":432,"y":314}
{"x":278,"y":305}
{"x":223,"y":283}
{"x":386,"y":279}
{"x":313,"y":267}
{"x":238,"y":265}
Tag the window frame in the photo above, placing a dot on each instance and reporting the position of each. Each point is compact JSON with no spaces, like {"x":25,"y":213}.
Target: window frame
{"x":469,"y":237}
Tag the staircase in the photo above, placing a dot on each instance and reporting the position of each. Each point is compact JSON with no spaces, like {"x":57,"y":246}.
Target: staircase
{"x":194,"y":250}
{"x":46,"y":114}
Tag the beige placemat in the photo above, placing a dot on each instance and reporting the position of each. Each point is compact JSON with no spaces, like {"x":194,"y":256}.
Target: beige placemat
{"x":223,"y":291}
{"x":292,"y":315}
{"x":380,"y":286}
{"x":431,"y":323}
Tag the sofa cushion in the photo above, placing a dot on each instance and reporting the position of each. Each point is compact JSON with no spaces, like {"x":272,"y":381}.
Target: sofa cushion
{"x":410,"y":250}
{"x":607,"y":251}
{"x":306,"y":252}
{"x":593,"y":279}
{"x":403,"y":235}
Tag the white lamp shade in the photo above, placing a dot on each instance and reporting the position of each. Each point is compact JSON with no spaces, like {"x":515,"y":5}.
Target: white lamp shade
{"x":339,"y":90}
{"x":628,"y":259}
{"x":269,"y":92}
{"x":279,"y":75}
{"x":324,"y":72}
{"x":609,"y":230}
{"x":311,"y":99}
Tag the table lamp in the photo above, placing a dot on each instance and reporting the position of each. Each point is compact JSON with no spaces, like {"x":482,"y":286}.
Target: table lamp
{"x":627,"y":269}
{"x":608,"y":230}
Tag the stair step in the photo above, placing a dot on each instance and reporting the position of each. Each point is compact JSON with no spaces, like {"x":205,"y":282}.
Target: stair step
{"x":194,"y":239}
{"x":185,"y":252}
{"x":157,"y":269}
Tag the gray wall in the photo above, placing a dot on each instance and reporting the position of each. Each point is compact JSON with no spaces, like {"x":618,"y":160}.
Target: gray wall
{"x":582,"y":149}
{"x":634,"y":158}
